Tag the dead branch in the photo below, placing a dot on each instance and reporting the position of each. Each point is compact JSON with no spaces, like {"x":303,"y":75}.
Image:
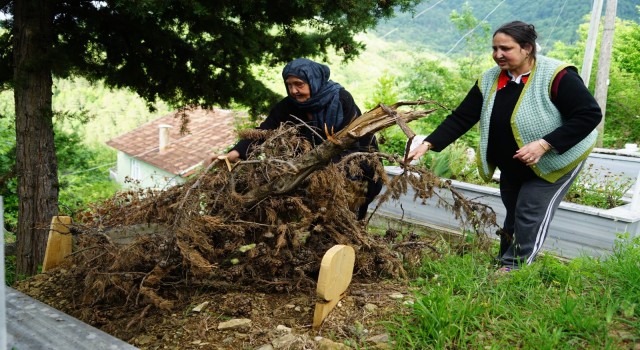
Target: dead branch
{"x":368,"y":123}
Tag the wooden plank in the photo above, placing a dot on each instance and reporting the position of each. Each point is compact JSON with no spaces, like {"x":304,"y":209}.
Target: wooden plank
{"x":336,"y":271}
{"x":59,"y":242}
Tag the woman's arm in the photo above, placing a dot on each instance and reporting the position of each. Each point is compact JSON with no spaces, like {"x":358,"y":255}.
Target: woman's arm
{"x":463,"y":118}
{"x":455,"y":125}
{"x":271,"y":122}
{"x":580,"y":111}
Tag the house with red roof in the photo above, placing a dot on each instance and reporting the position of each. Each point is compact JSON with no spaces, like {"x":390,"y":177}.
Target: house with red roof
{"x":165,"y":151}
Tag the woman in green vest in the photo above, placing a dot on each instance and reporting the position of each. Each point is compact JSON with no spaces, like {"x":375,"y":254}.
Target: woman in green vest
{"x":537,"y":125}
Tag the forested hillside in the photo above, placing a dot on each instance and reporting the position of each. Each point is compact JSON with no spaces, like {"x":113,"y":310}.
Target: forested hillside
{"x":555,"y":20}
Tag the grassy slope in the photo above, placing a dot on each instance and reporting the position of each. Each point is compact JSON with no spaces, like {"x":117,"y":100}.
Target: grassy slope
{"x":461,"y":303}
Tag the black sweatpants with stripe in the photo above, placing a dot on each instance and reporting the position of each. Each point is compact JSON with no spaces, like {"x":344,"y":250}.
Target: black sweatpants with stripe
{"x":531,"y":205}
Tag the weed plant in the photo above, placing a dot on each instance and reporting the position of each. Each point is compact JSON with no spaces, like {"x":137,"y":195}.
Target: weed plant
{"x":599,"y":188}
{"x":587,"y":303}
{"x":10,"y":270}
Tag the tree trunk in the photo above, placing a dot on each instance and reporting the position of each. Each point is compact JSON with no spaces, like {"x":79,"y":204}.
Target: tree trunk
{"x":36,"y":163}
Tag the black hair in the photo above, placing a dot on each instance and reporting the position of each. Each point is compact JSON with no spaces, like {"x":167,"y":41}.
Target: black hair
{"x":523,"y":33}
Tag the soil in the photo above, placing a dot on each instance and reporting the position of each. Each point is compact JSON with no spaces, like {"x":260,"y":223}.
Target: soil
{"x":278,"y":320}
{"x":281,"y":320}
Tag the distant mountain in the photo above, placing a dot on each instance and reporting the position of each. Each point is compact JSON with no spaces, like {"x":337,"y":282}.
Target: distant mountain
{"x":555,"y":20}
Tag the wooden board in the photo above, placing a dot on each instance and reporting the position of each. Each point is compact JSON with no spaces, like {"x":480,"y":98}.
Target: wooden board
{"x":336,"y":270}
{"x":59,"y":242}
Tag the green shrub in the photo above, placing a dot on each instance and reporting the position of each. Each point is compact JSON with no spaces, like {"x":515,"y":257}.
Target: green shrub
{"x":9,"y":269}
{"x":392,"y":140}
{"x":457,"y":162}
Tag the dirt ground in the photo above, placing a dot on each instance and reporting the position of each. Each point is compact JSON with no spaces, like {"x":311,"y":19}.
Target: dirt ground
{"x":276,"y":320}
{"x":280,"y":320}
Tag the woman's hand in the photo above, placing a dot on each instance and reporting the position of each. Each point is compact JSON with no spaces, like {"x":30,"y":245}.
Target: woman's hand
{"x":419,"y":151}
{"x":229,"y":158}
{"x":531,"y":153}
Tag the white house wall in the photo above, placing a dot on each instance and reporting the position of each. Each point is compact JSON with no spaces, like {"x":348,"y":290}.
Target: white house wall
{"x":149,"y":176}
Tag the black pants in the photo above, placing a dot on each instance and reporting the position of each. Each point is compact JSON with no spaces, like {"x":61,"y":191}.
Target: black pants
{"x":373,"y":187}
{"x":531,"y":205}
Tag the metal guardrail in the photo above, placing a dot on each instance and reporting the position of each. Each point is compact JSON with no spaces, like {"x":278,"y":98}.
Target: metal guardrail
{"x":35,"y":325}
{"x":575,"y":230}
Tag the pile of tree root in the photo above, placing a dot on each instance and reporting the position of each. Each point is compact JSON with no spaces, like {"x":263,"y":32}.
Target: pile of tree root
{"x":263,"y":224}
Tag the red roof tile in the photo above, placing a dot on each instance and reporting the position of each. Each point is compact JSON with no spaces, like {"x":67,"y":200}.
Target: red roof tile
{"x":208,"y":132}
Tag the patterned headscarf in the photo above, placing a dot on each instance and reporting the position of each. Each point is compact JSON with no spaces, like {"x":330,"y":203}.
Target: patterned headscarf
{"x":324,"y":103}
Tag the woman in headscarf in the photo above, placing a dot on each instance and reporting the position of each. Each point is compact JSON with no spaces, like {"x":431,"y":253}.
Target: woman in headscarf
{"x":322,"y":105}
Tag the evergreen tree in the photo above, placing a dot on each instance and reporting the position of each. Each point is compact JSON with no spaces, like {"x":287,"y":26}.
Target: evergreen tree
{"x":184,"y":52}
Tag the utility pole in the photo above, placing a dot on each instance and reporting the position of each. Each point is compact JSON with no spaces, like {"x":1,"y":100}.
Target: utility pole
{"x":604,"y":61}
{"x":592,"y":37}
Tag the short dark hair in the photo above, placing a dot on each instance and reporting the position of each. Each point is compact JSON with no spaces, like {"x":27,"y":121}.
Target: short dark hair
{"x":523,"y":33}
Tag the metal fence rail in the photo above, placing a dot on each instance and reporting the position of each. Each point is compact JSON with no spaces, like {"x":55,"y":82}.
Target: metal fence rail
{"x":35,"y":325}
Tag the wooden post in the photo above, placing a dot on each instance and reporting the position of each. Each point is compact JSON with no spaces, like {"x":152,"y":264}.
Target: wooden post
{"x":336,"y":270}
{"x":58,"y":244}
{"x":590,"y":47}
{"x":604,"y":63}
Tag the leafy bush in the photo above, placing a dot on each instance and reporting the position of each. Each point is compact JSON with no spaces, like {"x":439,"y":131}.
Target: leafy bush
{"x":83,"y":173}
{"x":392,"y":140}
{"x":457,"y":162}
{"x":8,"y":179}
{"x":10,"y":270}
{"x":385,"y":91}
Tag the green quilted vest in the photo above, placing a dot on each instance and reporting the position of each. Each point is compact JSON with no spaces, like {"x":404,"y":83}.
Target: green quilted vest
{"x":533,"y":117}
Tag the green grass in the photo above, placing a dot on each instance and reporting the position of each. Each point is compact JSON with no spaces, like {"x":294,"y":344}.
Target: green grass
{"x":9,"y":270}
{"x":587,"y":303}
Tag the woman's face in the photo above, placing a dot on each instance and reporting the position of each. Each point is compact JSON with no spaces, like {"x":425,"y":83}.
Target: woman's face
{"x":508,"y":54}
{"x":298,"y":88}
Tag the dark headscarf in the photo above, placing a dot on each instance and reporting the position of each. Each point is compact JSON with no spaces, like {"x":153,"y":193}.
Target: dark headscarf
{"x":324,"y":103}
